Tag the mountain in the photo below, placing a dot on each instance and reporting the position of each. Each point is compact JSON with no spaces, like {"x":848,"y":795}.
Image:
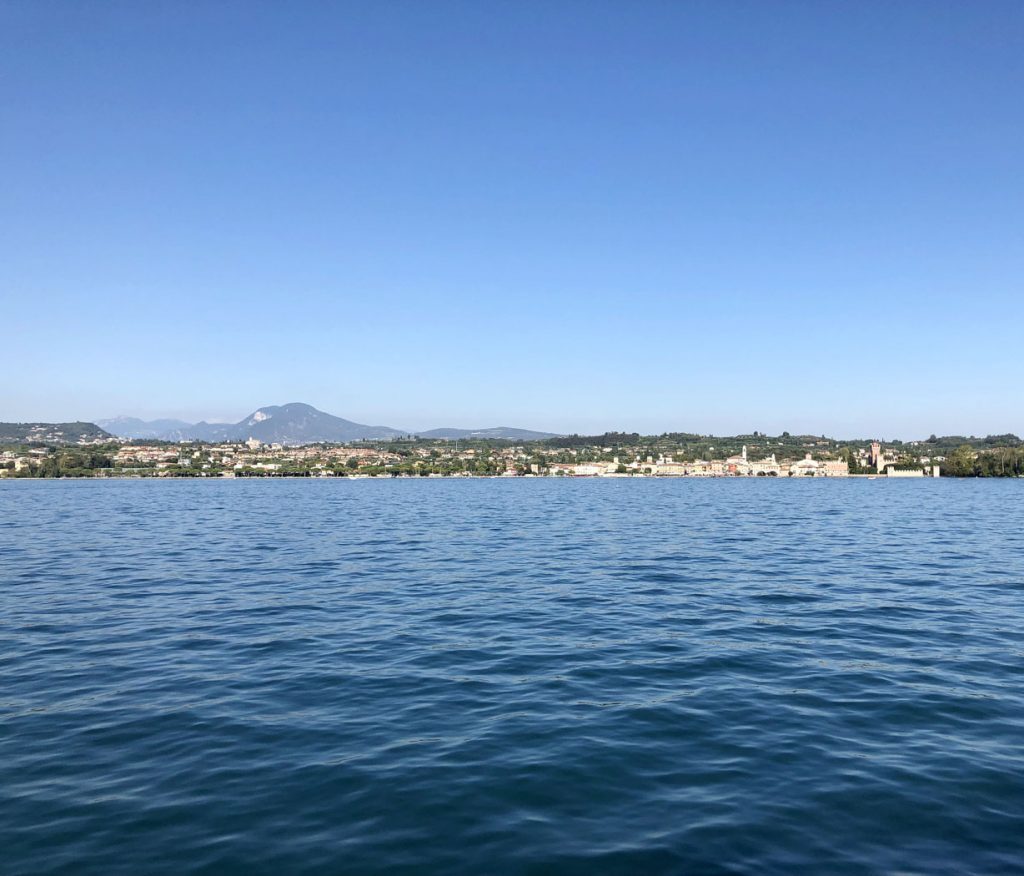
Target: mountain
{"x":294,"y":423}
{"x":505,"y":432}
{"x":52,"y":433}
{"x":133,"y":427}
{"x":203,"y":431}
{"x":298,"y":423}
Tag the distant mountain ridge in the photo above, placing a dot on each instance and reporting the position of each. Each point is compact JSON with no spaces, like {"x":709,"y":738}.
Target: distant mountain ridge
{"x":133,"y":427}
{"x":294,"y":423}
{"x":503,"y":432}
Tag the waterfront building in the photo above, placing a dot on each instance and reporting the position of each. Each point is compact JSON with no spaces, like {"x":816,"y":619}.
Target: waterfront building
{"x":767,"y":466}
{"x":738,"y":465}
{"x":806,"y":467}
{"x":893,"y":472}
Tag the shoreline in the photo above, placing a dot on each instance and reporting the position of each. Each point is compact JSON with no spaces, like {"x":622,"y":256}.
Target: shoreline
{"x":269,"y":477}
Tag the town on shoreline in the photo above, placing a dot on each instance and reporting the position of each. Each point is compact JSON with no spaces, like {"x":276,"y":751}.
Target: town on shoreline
{"x":620,"y":455}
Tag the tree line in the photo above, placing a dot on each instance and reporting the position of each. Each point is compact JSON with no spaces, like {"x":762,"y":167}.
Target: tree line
{"x":966,"y":462}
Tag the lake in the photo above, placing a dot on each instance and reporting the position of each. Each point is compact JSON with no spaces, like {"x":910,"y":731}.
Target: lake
{"x":512,"y":676}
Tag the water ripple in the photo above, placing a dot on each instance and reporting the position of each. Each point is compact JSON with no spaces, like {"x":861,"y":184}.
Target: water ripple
{"x":511,"y":677}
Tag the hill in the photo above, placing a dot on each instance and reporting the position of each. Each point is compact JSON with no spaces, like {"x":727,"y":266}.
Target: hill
{"x":52,"y":433}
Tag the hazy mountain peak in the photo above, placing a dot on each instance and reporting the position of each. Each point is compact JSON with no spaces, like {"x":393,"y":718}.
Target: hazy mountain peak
{"x":292,"y":423}
{"x":133,"y":427}
{"x":507,"y":433}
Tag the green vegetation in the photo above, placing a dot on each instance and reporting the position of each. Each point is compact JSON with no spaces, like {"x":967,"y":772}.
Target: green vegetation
{"x":1001,"y":462}
{"x":63,"y":464}
{"x":51,"y":433}
{"x":992,"y":456}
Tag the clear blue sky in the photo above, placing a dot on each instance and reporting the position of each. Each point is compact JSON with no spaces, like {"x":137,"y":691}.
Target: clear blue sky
{"x":710,"y":216}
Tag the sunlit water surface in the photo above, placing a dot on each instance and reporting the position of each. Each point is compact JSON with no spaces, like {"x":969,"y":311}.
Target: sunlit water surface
{"x":526,"y":676}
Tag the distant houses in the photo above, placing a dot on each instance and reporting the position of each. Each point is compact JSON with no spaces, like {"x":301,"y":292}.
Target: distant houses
{"x":253,"y":457}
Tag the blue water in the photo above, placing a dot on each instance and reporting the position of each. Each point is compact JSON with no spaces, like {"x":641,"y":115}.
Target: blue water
{"x":512,"y":676}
